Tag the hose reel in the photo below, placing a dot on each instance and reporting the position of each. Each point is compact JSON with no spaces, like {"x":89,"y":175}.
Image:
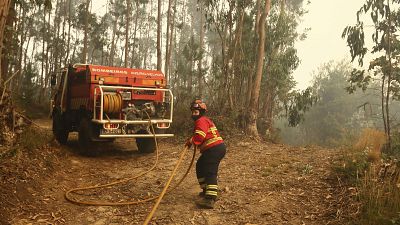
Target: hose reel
{"x":112,"y":103}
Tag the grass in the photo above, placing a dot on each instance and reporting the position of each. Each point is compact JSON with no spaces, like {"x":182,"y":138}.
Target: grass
{"x":380,"y":195}
{"x":307,"y":169}
{"x":268,"y":171}
{"x":378,"y":183}
{"x":371,"y":141}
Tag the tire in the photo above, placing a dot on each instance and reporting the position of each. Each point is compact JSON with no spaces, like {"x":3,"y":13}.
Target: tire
{"x":145,"y":145}
{"x":60,"y":130}
{"x":109,"y":140}
{"x":85,"y":135}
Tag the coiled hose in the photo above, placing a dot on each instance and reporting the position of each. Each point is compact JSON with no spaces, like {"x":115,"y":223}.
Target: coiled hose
{"x":112,"y":103}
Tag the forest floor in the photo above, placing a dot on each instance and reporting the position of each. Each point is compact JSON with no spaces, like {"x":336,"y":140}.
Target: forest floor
{"x":261,"y":183}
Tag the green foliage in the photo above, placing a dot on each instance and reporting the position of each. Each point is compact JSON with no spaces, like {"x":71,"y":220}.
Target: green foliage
{"x":357,"y":79}
{"x":385,"y":16}
{"x":298,"y":105}
{"x":375,"y":183}
{"x":307,"y":169}
{"x":28,"y":85}
{"x":50,"y":39}
{"x":355,"y":40}
{"x":351,"y":166}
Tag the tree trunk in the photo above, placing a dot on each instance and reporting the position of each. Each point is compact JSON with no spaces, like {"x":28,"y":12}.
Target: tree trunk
{"x":201,"y":48}
{"x":46,"y":72}
{"x":128,"y":12}
{"x":171,"y":44}
{"x":69,"y":34}
{"x":267,"y":110}
{"x":112,"y":50}
{"x":383,"y":103}
{"x":23,"y":35}
{"x":389,"y":82}
{"x":250,"y":78}
{"x":235,"y":48}
{"x":190,"y":78}
{"x":43,"y":53}
{"x":4,"y":9}
{"x":85,"y":39}
{"x":251,"y":128}
{"x":63,"y":52}
{"x":167,"y":37}
{"x":57,"y":24}
{"x":159,"y":61}
{"x":7,"y":17}
{"x":134,"y":34}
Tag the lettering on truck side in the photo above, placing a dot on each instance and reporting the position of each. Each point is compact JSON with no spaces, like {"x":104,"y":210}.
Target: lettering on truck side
{"x":109,"y":71}
{"x":139,"y":73}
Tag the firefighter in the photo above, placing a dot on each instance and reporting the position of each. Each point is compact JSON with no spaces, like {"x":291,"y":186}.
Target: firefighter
{"x":212,"y":148}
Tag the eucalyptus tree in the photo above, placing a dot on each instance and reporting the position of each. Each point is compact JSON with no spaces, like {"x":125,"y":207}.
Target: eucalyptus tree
{"x":86,"y":28}
{"x":223,"y":19}
{"x":281,"y":60}
{"x":98,"y":40}
{"x":252,"y":116}
{"x":385,"y":16}
{"x":4,"y":10}
{"x":7,"y":22}
{"x":159,"y":5}
{"x":127,"y":23}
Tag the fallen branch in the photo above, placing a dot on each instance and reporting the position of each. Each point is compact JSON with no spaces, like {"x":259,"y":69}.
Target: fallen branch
{"x":5,"y":85}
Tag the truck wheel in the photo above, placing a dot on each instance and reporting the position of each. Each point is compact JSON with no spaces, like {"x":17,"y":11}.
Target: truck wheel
{"x":85,"y":135}
{"x":145,"y":145}
{"x":109,"y":140}
{"x":60,"y":131}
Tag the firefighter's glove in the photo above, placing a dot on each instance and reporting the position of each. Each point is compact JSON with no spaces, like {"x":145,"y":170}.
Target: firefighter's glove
{"x":188,"y":143}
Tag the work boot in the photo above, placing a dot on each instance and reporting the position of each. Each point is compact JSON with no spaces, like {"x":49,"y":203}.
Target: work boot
{"x":205,"y":203}
{"x":202,"y":194}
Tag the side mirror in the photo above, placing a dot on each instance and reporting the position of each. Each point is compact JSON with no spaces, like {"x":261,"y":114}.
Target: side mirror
{"x":53,"y":79}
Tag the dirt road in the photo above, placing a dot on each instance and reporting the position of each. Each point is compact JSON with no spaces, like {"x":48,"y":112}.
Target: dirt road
{"x":261,"y":184}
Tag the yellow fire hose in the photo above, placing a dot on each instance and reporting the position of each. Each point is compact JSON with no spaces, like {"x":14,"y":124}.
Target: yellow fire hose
{"x":112,"y":103}
{"x":153,"y":210}
{"x":159,"y":197}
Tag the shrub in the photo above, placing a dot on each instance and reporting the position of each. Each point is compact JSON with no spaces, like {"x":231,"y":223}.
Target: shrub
{"x":377,"y":183}
{"x":371,"y":141}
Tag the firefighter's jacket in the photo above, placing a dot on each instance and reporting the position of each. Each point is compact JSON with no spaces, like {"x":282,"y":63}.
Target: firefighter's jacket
{"x":206,"y":134}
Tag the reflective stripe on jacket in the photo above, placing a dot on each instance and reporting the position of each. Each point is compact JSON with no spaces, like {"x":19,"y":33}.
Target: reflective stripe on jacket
{"x":206,"y":134}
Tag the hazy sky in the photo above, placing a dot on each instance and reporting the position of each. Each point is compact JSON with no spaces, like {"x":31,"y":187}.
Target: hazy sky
{"x":327,"y":19}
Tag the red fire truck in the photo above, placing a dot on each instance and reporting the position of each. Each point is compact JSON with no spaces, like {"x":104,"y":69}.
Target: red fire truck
{"x":104,"y":103}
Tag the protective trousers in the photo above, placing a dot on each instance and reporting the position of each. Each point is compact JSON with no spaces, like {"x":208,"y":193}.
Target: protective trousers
{"x":207,"y":170}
